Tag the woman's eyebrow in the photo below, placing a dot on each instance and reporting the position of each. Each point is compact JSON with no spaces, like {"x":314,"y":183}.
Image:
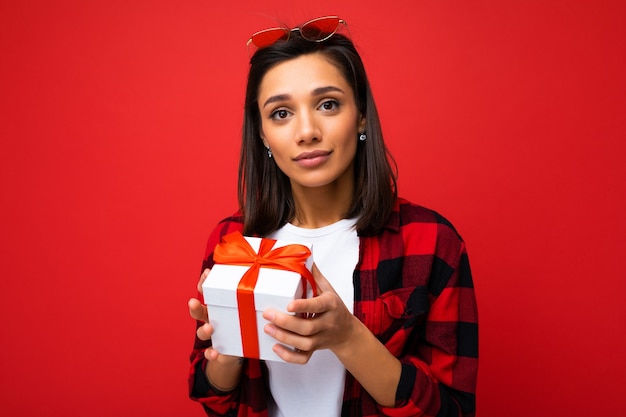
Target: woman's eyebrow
{"x":274,"y":99}
{"x":323,"y":90}
{"x":316,"y":92}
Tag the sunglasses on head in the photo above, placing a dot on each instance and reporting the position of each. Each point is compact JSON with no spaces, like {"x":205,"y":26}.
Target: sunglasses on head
{"x":316,"y":30}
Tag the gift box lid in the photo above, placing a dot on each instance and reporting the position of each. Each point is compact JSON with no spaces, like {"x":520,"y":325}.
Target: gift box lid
{"x":275,"y":288}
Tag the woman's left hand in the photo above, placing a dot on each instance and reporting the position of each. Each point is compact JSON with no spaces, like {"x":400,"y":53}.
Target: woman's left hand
{"x":330,"y":327}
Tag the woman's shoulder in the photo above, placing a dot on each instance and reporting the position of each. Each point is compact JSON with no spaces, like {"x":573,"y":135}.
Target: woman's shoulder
{"x":235,"y":218}
{"x":232,"y":223}
{"x":409,"y":214}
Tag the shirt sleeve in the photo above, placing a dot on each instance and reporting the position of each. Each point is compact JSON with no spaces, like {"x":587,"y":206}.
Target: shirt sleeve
{"x":214,"y":402}
{"x":439,"y":371}
{"x":425,"y":313}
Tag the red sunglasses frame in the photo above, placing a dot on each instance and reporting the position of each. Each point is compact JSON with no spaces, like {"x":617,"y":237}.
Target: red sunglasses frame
{"x":315,"y":30}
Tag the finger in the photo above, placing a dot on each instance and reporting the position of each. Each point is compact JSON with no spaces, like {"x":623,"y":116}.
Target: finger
{"x":289,"y":329}
{"x":286,"y":349}
{"x":204,"y":332}
{"x":292,"y":355}
{"x":205,"y":274}
{"x":211,"y":354}
{"x":197,"y":310}
{"x":316,"y":305}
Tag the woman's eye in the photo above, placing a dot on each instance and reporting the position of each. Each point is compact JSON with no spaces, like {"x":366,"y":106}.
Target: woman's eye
{"x":330,"y":105}
{"x":280,"y":114}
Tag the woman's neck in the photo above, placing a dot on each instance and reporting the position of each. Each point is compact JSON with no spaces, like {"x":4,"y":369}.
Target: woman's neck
{"x":321,"y":206}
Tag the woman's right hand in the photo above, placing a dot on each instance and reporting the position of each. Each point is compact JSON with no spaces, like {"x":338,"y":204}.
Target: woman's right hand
{"x":223,"y":371}
{"x":199,"y":312}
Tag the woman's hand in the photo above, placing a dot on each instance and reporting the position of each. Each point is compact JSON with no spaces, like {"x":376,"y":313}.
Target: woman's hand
{"x":223,"y":371}
{"x":330,"y":327}
{"x":199,"y":312}
{"x":334,"y":327}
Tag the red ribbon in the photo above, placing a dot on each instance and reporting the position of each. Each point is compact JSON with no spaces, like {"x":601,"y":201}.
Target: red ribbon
{"x":235,"y":250}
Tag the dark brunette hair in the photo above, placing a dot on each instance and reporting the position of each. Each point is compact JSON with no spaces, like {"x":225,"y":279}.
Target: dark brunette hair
{"x":265,"y":197}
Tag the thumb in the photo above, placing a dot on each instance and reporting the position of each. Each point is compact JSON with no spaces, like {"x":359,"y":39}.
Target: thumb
{"x":321,"y":281}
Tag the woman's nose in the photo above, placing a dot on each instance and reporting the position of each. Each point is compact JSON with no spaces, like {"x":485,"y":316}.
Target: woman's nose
{"x":308,"y":128}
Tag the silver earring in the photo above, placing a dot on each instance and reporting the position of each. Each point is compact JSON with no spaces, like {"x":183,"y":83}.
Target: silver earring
{"x":269,"y":152}
{"x":362,"y":136}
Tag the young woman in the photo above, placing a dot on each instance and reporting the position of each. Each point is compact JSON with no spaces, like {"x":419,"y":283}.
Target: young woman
{"x":394,"y":330}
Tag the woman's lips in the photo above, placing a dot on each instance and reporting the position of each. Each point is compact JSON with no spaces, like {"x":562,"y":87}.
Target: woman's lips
{"x":312,"y":159}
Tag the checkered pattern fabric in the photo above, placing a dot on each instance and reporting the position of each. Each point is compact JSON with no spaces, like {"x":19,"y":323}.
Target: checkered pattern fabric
{"x":414,"y":291}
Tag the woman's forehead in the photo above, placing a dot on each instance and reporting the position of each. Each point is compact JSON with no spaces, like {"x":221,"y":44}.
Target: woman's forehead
{"x":304,"y":73}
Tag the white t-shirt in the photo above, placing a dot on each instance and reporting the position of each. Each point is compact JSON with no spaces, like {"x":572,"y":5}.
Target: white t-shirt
{"x":316,"y":388}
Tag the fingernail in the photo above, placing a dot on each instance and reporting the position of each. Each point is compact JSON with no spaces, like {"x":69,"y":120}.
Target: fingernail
{"x":269,"y":330}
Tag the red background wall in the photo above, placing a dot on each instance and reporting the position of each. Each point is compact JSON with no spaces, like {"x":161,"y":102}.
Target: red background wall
{"x":119,"y":125}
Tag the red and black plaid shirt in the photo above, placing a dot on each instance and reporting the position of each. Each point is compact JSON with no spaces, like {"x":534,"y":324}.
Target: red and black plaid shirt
{"x":413,"y":289}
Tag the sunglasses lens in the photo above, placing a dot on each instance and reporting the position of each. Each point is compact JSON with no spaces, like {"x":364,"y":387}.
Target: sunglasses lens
{"x":269,"y":36}
{"x":320,"y":29}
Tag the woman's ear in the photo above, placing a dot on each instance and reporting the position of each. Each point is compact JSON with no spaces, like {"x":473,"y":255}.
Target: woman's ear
{"x":362,"y":123}
{"x":262,"y":136}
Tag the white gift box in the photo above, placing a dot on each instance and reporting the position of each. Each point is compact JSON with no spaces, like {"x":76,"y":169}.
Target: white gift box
{"x":274,"y":289}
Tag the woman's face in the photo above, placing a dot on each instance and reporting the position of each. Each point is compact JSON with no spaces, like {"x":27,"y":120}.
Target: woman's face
{"x":309,"y":120}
